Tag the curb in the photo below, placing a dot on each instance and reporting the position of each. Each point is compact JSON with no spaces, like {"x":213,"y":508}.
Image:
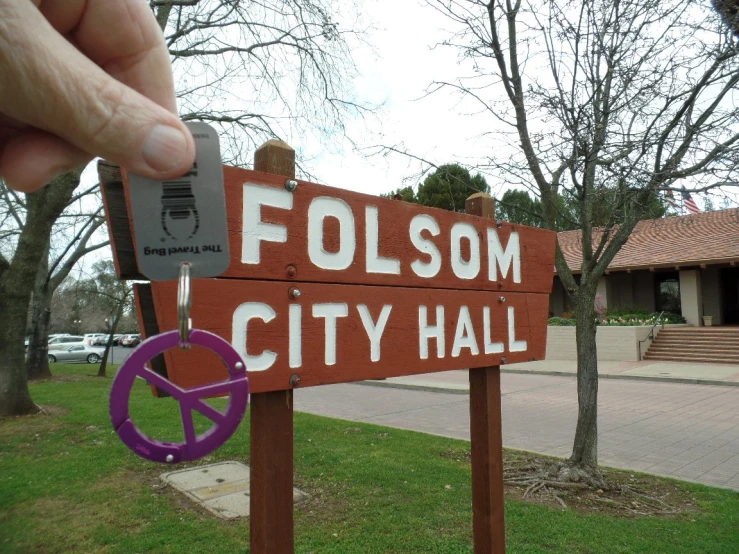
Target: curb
{"x":465,"y":390}
{"x":684,"y":380}
{"x":409,"y":386}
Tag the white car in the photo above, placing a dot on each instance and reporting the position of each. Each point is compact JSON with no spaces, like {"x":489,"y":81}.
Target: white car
{"x":60,"y":343}
{"x":91,"y":337}
{"x":77,"y":353}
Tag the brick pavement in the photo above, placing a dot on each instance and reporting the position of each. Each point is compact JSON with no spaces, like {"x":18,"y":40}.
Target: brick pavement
{"x":689,"y":432}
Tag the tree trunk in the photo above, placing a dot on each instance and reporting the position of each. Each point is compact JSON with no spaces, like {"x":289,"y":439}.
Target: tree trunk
{"x":15,"y":399}
{"x":585,"y":447}
{"x":109,"y":344}
{"x":17,"y":280}
{"x":37,"y":361}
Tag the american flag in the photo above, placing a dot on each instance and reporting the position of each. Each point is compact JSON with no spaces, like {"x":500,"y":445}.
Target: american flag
{"x":689,"y":202}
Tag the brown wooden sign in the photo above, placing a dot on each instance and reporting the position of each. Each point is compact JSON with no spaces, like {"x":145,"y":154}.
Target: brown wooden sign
{"x":490,"y":280}
{"x":328,"y":286}
{"x":339,"y":333}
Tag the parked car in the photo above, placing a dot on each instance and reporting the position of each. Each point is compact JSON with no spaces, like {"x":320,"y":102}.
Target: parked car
{"x":90,"y":338}
{"x":130,"y":340}
{"x":102,"y":340}
{"x":77,"y":353}
{"x":60,"y":343}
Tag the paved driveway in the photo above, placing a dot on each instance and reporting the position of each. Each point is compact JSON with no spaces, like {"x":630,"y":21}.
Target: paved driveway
{"x":685,"y":431}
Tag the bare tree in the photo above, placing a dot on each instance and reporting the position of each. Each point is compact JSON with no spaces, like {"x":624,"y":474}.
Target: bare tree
{"x":262,"y":70}
{"x":591,"y":98}
{"x":72,"y":249}
{"x":18,"y":274}
{"x":109,"y":297}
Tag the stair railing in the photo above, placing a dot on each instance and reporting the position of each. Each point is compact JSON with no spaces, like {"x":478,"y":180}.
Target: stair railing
{"x":651,"y":332}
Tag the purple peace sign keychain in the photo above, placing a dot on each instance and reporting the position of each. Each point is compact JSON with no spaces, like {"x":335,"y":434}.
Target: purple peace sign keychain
{"x":225,"y":423}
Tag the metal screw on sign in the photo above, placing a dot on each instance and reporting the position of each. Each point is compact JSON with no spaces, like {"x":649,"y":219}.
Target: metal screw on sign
{"x":294,"y":292}
{"x":224,"y":423}
{"x":291,"y":185}
{"x":501,"y":299}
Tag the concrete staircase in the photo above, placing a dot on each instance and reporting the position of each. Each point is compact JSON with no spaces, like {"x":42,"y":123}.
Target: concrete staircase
{"x":716,"y":345}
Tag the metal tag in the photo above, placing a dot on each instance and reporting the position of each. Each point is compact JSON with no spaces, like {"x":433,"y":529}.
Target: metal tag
{"x":183,"y":219}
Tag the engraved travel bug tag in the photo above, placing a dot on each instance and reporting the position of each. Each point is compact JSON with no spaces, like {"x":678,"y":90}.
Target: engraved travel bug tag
{"x":183,"y":219}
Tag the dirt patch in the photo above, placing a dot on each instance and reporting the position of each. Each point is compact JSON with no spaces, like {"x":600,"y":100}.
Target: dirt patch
{"x":627,"y":494}
{"x":53,"y":411}
{"x":61,"y":379}
{"x":33,"y":425}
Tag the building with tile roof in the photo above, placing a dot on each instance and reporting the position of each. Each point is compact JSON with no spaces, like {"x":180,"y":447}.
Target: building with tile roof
{"x":684,"y":264}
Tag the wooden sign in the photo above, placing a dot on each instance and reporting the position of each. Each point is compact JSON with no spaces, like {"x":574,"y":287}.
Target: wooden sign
{"x":326,"y":286}
{"x":388,"y":269}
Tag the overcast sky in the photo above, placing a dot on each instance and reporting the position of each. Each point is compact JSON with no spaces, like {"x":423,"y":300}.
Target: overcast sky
{"x":397,"y":70}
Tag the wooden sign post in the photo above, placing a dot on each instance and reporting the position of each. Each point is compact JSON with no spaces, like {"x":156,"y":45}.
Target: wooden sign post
{"x":331,"y":286}
{"x":271,"y":420}
{"x":486,"y":436}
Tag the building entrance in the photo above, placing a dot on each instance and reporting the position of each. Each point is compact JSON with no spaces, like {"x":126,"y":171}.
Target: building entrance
{"x":730,"y":295}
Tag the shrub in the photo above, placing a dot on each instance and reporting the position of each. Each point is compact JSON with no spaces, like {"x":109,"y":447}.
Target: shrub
{"x":669,"y":317}
{"x":561,"y":322}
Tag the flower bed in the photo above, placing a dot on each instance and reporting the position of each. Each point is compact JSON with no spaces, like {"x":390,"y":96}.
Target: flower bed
{"x":621,"y":318}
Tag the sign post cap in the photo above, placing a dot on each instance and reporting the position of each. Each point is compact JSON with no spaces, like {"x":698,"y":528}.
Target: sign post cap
{"x":276,"y":157}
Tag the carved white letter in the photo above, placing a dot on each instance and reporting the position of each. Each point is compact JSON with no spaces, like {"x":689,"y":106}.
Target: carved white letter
{"x":419,"y":223}
{"x":375,"y":262}
{"x":465,"y":269}
{"x":464,"y":337}
{"x":497,"y":257}
{"x":296,"y":335}
{"x":242,"y":315}
{"x":426,"y":331}
{"x":513,"y":344}
{"x":374,"y":330}
{"x":254,"y":230}
{"x":320,"y":209}
{"x":331,"y":312}
{"x":490,"y":347}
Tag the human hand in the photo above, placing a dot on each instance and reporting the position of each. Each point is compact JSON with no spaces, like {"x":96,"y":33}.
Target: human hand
{"x":85,"y":78}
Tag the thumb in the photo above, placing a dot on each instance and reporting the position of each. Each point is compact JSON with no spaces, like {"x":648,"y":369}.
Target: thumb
{"x":59,"y":90}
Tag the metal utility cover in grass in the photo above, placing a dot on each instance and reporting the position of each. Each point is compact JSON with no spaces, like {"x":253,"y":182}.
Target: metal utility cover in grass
{"x":222,"y":489}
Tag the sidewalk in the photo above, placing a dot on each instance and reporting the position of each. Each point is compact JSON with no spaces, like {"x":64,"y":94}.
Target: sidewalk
{"x":457,"y":381}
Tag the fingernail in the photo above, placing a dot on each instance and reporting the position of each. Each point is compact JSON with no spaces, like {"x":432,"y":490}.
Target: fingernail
{"x":165,"y":148}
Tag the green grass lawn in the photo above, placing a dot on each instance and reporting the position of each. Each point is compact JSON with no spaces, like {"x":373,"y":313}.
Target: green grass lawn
{"x":68,"y":485}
